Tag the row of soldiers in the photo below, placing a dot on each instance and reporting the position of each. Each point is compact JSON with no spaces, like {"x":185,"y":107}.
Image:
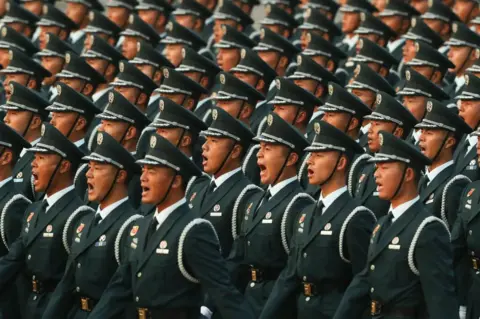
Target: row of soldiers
{"x":168,"y":160}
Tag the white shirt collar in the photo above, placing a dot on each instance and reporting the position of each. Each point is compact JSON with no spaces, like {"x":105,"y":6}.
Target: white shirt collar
{"x":51,"y":200}
{"x":107,"y":210}
{"x":395,"y":44}
{"x":416,"y":135}
{"x":99,"y":94}
{"x":472,"y":141}
{"x":79,"y":143}
{"x":315,"y":115}
{"x":330,"y":198}
{"x":5,"y":181}
{"x":350,"y":41}
{"x":76,"y":35}
{"x":163,"y":215}
{"x":24,"y":150}
{"x":459,"y":82}
{"x":224,"y":177}
{"x":279,"y":186}
{"x":153,"y":98}
{"x":400,"y":209}
{"x":434,"y":173}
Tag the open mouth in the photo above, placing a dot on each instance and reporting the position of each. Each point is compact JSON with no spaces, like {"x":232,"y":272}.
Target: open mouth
{"x":204,"y":160}
{"x":145,"y":190}
{"x":90,"y":188}
{"x":35,"y":178}
{"x":310,"y":172}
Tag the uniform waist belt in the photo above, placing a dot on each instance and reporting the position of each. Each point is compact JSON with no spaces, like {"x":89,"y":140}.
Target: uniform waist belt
{"x":87,"y":304}
{"x":41,"y":287}
{"x":264,"y":274}
{"x":475,"y":263}
{"x":175,"y":313}
{"x":310,"y":289}
{"x":377,"y":309}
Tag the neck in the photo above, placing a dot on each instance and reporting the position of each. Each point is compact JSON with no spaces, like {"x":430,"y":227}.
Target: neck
{"x":102,"y":86}
{"x":441,"y":159}
{"x":5,"y":172}
{"x":142,"y":107}
{"x":302,"y":128}
{"x":406,"y":193}
{"x":186,"y":150}
{"x":228,"y":167}
{"x":57,"y":185}
{"x":118,"y":192}
{"x":76,"y":136}
{"x":288,"y":172}
{"x":173,"y":197}
{"x":130,"y":146}
{"x":31,"y":136}
{"x":336,"y":182}
{"x":353,"y":134}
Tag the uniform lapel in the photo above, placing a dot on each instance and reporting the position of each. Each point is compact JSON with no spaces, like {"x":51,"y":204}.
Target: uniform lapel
{"x":149,"y":247}
{"x":6,"y":189}
{"x":465,"y":161}
{"x":220,"y":193}
{"x":437,"y":181}
{"x":369,"y":185}
{"x":22,"y":162}
{"x":475,"y":199}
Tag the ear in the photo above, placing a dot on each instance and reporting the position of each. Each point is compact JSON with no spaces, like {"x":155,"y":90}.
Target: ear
{"x":302,"y":117}
{"x":111,"y":41}
{"x":121,"y":177}
{"x":65,"y":166}
{"x":189,"y":104}
{"x":292,"y":159}
{"x":405,"y":25}
{"x":32,"y":84}
{"x":81,"y":124}
{"x":450,"y":142}
{"x":177,"y":182}
{"x":110,"y":70}
{"x":398,"y":132}
{"x":161,"y":20}
{"x":286,"y":33}
{"x":204,"y":81}
{"x":330,"y":66}
{"x":445,"y":29}
{"x":88,"y":89}
{"x":142,"y":99}
{"x":436,"y":77}
{"x":186,"y":140}
{"x":319,"y":91}
{"x":157,"y":76}
{"x":342,"y":163}
{"x":7,"y":157}
{"x":131,"y":133}
{"x":383,"y":71}
{"x":36,"y":122}
{"x":381,"y":42}
{"x":247,"y":111}
{"x":198,"y":24}
{"x":260,"y":85}
{"x":236,"y":151}
{"x":409,"y":175}
{"x":354,"y":122}
{"x":63,"y":34}
{"x":28,"y":32}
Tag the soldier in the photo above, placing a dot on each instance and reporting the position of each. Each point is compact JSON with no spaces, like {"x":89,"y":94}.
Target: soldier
{"x":53,"y":21}
{"x":464,"y":50}
{"x":80,"y":76}
{"x":230,"y":47}
{"x":154,"y":13}
{"x":265,"y":219}
{"x":13,"y":205}
{"x":39,"y":254}
{"x":375,"y":30}
{"x":20,"y":19}
{"x":118,"y":11}
{"x":150,"y":62}
{"x":53,"y":60}
{"x":102,"y":27}
{"x":278,"y":21}
{"x":315,"y":22}
{"x":93,"y":243}
{"x":389,"y":116}
{"x":440,"y":17}
{"x":442,"y":131}
{"x":422,"y":280}
{"x":192,"y":15}
{"x":9,"y":38}
{"x":468,"y":102}
{"x":329,"y":245}
{"x":466,"y":10}
{"x":177,"y":37}
{"x":137,"y":29}
{"x":78,"y":11}
{"x":173,"y":257}
{"x":227,"y":141}
{"x":25,"y":112}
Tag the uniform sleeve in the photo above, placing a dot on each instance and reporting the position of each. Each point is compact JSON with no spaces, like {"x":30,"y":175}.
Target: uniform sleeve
{"x":15,"y":215}
{"x":62,"y":299}
{"x":358,"y":234}
{"x":461,"y":259}
{"x":117,"y":295}
{"x":12,"y":263}
{"x":356,"y":298}
{"x":433,"y":257}
{"x":285,"y":286}
{"x":202,"y":256}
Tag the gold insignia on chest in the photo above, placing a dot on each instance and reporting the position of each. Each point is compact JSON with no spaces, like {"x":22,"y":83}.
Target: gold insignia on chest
{"x":134,"y":230}
{"x":193,"y":196}
{"x":80,"y":228}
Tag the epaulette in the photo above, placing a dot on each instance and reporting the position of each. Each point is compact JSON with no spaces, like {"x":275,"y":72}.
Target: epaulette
{"x":248,"y":156}
{"x":443,"y":207}
{"x":283,"y":225}
{"x":69,"y":222}
{"x":15,"y":198}
{"x":181,"y":242}
{"x":351,"y":173}
{"x":122,"y":229}
{"x":249,"y":187}
{"x":411,"y":249}
{"x":345,"y":225}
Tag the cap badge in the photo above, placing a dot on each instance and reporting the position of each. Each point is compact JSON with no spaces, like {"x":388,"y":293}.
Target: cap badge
{"x":215,"y":114}
{"x":222,"y":78}
{"x":11,"y":88}
{"x":4,"y":31}
{"x":417,"y":47}
{"x":309,"y":37}
{"x":153,"y":141}
{"x":429,"y":106}
{"x":99,"y":138}
{"x":43,"y":130}
{"x":330,"y":89}
{"x":45,"y":9}
{"x":278,"y":84}
{"x":139,"y":46}
{"x":10,"y":55}
{"x":67,"y":57}
{"x":455,"y":28}
{"x":169,"y":26}
{"x":91,"y":15}
{"x":299,"y":59}
{"x":408,"y":75}
{"x":379,"y":99}
{"x":184,"y":53}
{"x":162,"y":105}
{"x":414,"y":22}
{"x":316,"y":126}
{"x":360,"y":44}
{"x":380,"y":137}
{"x":131,"y":18}
{"x":121,"y":66}
{"x":430,"y":3}
{"x":467,"y":79}
{"x":270,"y":119}
{"x":262,"y":34}
{"x":308,"y":13}
{"x":111,"y":97}
{"x":363,"y":16}
{"x":224,"y":29}
{"x":166,"y":73}
{"x":59,"y":89}
{"x":357,"y":70}
{"x":243,"y":53}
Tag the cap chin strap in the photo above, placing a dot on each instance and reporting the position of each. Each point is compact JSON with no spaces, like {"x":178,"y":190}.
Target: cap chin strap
{"x":333,"y":170}
{"x":400,"y":183}
{"x":28,"y":124}
{"x":240,"y":111}
{"x":166,"y":194}
{"x":73,"y":125}
{"x":440,"y":148}
{"x":226,"y":158}
{"x":470,"y":49}
{"x":111,"y":186}
{"x":124,"y":134}
{"x":57,"y":167}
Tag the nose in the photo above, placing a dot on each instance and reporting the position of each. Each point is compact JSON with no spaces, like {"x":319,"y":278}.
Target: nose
{"x":89,"y":173}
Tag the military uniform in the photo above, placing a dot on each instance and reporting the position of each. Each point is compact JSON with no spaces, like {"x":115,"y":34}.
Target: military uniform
{"x":93,"y":256}
{"x":167,"y":263}
{"x":421,"y":284}
{"x":39,"y":255}
{"x":54,"y":17}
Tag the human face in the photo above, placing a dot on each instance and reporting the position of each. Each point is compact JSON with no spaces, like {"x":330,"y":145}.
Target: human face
{"x":270,"y":57}
{"x":340,"y":120}
{"x":249,"y":78}
{"x":149,"y":16}
{"x":76,"y":12}
{"x":270,"y":160}
{"x":228,"y":58}
{"x":430,"y":142}
{"x":18,"y":120}
{"x":375,"y":127}
{"x":42,"y":38}
{"x":129,"y":47}
{"x":100,"y":65}
{"x":100,"y":178}
{"x":425,"y":70}
{"x":387,"y":177}
{"x":366,"y":96}
{"x":63,"y":121}
{"x":173,"y":52}
{"x":320,"y":166}
{"x":416,"y":105}
{"x":420,"y":5}
{"x":217,"y":28}
{"x":394,"y":22}
{"x":308,"y":85}
{"x":155,"y":182}
{"x":75,"y":83}
{"x":146,"y":69}
{"x":118,"y":15}
{"x":20,"y":78}
{"x":171,"y":134}
{"x":188,"y":21}
{"x":4,"y":58}
{"x":129,"y":92}
{"x":408,"y":50}
{"x":53,"y":64}
{"x":43,"y":167}
{"x":350,"y":22}
{"x":214,"y":151}
{"x":117,"y":129}
{"x":463,"y":9}
{"x":176,"y":97}
{"x":459,"y":55}
{"x":469,"y":111}
{"x":35,"y":7}
{"x":232,"y":107}
{"x":289,"y":113}
{"x":434,"y":24}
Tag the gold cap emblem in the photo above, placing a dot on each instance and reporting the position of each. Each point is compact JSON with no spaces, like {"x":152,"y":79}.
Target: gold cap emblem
{"x":316,"y":127}
{"x":224,"y":29}
{"x":309,"y":38}
{"x":363,"y":16}
{"x":131,"y":18}
{"x":99,"y":138}
{"x":330,"y":89}
{"x":215,"y":114}
{"x":4,"y":30}
{"x":467,"y":79}
{"x":278,"y":84}
{"x":169,"y":26}
{"x":408,"y":75}
{"x":308,"y":13}
{"x":378,"y":100}
{"x":121,"y":66}
{"x":67,"y":57}
{"x":91,"y":15}
{"x":10,"y":55}
{"x":270,"y":119}
{"x":139,"y":46}
{"x":413,"y":22}
{"x":360,"y":44}
{"x":299,"y":59}
{"x":59,"y":89}
{"x":417,"y":47}
{"x":222,"y":78}
{"x":455,"y":28}
{"x":243,"y":54}
{"x":262,"y":34}
{"x":184,"y":53}
{"x":429,"y":106}
{"x":162,"y":105}
{"x":166,"y":74}
{"x":111,"y":97}
{"x":42,"y":132}
{"x":45,"y":9}
{"x":11,"y":87}
{"x":153,"y":141}
{"x":357,"y":70}
{"x":380,"y":137}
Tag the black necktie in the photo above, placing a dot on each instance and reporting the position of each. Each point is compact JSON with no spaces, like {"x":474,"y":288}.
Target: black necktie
{"x":44,"y":206}
{"x":268,"y":195}
{"x":317,"y":213}
{"x":211,"y":187}
{"x":97,"y":219}
{"x":423,"y":183}
{"x":151,"y":229}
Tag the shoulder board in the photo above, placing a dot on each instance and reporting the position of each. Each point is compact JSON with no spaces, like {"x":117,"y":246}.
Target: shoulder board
{"x":411,"y":249}
{"x":122,"y":229}
{"x":351,"y":174}
{"x":302,"y":168}
{"x":249,"y":155}
{"x":69,"y":222}
{"x":248,"y":188}
{"x":181,"y":242}
{"x":283,"y":225}
{"x":344,"y":228}
{"x":15,"y":198}
{"x":443,"y":207}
